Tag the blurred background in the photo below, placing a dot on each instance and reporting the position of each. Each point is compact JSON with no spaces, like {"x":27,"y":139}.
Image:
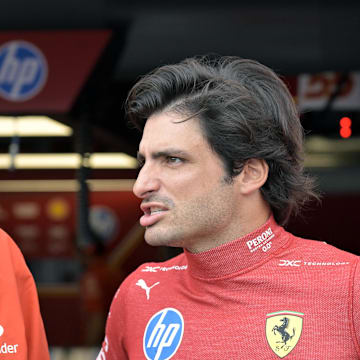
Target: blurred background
{"x":67,"y":155}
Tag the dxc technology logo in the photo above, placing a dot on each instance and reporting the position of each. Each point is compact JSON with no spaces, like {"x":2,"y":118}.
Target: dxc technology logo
{"x":163,"y":334}
{"x":23,"y":70}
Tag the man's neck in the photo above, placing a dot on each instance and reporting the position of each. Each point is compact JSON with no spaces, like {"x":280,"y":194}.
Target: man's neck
{"x":253,"y":216}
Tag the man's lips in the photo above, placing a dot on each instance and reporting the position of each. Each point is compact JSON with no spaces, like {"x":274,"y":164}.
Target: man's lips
{"x":153,"y":212}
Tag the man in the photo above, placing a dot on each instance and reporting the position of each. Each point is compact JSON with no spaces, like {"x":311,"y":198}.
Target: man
{"x":22,"y":334}
{"x":222,"y":170}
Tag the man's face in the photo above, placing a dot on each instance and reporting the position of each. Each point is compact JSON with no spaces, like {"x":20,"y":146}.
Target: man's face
{"x":186,"y":200}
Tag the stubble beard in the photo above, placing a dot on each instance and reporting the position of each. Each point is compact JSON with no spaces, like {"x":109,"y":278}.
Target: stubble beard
{"x":203,"y":220}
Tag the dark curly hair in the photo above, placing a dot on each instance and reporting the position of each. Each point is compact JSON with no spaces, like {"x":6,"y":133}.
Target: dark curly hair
{"x":245,"y":111}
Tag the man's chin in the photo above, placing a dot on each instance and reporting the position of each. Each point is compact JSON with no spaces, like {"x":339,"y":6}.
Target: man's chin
{"x":156,"y":237}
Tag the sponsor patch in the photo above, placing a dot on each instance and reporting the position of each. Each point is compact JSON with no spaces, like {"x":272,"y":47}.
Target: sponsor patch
{"x":163,"y":268}
{"x":295,"y":263}
{"x":298,"y":263}
{"x":262,"y":241}
{"x":163,"y":334}
{"x":7,"y":348}
{"x":326,"y":263}
{"x":141,"y":283}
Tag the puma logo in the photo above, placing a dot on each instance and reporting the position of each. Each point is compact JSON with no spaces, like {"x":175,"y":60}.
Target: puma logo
{"x":147,"y":289}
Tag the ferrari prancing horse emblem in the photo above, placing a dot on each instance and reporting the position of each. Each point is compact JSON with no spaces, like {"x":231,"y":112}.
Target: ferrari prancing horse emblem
{"x":283,"y":331}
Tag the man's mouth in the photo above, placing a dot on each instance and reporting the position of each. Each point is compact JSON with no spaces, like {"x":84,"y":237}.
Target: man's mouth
{"x":152,"y":214}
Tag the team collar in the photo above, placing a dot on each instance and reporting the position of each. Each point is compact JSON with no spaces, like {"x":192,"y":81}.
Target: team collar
{"x":240,"y":255}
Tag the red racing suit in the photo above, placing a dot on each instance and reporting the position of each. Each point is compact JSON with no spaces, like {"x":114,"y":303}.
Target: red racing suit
{"x":22,"y":334}
{"x":265,"y":296}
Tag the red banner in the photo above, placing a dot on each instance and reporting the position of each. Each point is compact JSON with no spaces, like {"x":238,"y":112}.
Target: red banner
{"x":44,"y":72}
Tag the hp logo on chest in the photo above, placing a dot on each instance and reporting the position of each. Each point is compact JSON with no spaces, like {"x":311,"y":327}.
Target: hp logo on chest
{"x":163,"y":334}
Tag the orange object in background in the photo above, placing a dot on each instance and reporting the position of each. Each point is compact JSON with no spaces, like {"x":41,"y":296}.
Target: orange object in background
{"x":22,"y":335}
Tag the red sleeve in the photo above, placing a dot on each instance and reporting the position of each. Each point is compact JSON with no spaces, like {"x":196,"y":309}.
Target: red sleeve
{"x":355,"y":308}
{"x":112,"y":347}
{"x":23,"y":335}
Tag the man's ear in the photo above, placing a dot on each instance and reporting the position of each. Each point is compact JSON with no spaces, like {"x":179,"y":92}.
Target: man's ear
{"x":253,"y":175}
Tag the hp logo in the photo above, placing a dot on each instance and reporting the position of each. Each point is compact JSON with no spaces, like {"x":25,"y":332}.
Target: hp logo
{"x":23,"y":70}
{"x":163,"y":334}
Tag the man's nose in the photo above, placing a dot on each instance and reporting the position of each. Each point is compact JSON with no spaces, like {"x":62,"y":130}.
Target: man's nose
{"x":147,"y":181}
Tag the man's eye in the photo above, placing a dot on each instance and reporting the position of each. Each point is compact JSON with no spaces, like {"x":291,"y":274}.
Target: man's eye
{"x":173,"y":160}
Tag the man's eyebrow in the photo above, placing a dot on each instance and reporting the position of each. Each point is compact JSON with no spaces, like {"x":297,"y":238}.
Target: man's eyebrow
{"x":169,"y":152}
{"x":163,"y":153}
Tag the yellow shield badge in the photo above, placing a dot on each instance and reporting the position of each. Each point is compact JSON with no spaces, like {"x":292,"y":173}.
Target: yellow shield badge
{"x":283,"y":331}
